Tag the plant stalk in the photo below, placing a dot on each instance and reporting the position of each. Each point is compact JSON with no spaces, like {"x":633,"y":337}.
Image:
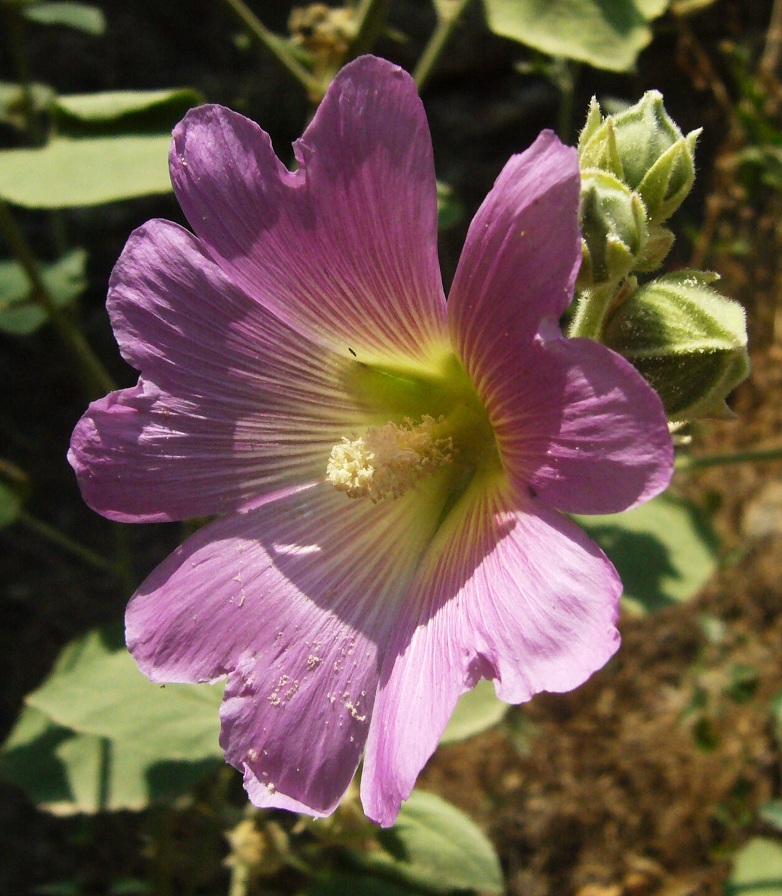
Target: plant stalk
{"x":96,"y":379}
{"x":449,"y":12}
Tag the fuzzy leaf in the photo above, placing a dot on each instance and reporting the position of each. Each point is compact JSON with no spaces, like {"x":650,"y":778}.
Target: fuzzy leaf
{"x":476,"y":711}
{"x":104,"y":694}
{"x":74,"y":173}
{"x":435,"y":846}
{"x":66,"y":773}
{"x":664,"y":551}
{"x":607,"y":34}
{"x":757,"y":870}
{"x":80,"y":16}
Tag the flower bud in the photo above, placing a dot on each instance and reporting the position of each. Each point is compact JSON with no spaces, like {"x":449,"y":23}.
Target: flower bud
{"x":658,"y":245}
{"x":613,"y":229}
{"x":686,"y":339}
{"x":644,"y":148}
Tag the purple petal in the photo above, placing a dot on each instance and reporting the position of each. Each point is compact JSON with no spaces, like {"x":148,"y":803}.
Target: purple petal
{"x":345,"y":248}
{"x":520,"y":259}
{"x":524,"y":598}
{"x":581,"y":428}
{"x":295,"y":601}
{"x":232,"y":404}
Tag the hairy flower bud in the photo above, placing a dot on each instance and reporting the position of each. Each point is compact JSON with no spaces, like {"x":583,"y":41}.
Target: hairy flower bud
{"x":689,"y":342}
{"x":644,"y":148}
{"x":613,"y":229}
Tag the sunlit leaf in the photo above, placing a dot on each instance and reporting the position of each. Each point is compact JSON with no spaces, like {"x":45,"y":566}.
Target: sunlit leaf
{"x":771,"y":813}
{"x":19,"y":313}
{"x":123,"y":111}
{"x":65,"y":773}
{"x":665,"y":551}
{"x":757,"y":870}
{"x":80,"y":16}
{"x":435,"y":846}
{"x":67,"y":769}
{"x":104,"y":694}
{"x":476,"y":711}
{"x":89,"y":171}
{"x":607,"y":34}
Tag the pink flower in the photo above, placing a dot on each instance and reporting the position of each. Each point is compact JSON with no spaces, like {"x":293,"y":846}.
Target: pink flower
{"x":390,"y":468}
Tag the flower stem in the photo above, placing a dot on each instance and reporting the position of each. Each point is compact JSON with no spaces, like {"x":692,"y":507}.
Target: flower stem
{"x":96,"y":379}
{"x":740,"y":457}
{"x":591,"y":309}
{"x":15,"y":27}
{"x":278,"y":47}
{"x":65,"y":542}
{"x":370,"y":18}
{"x":449,"y":13}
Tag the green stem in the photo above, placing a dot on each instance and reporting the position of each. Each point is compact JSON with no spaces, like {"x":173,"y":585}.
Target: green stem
{"x":591,"y":309}
{"x":240,"y":880}
{"x":15,"y":29}
{"x":370,"y":19}
{"x":566,"y":73}
{"x":55,"y":536}
{"x":96,"y":379}
{"x":124,"y":557}
{"x":278,"y":47}
{"x":718,"y":460}
{"x":449,"y":15}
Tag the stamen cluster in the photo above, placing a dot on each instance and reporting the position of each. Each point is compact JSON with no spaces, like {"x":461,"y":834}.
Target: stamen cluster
{"x":388,"y":460}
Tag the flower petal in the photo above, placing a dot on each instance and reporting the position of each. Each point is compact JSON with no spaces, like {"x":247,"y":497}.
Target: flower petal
{"x":232,"y":404}
{"x":523,"y":597}
{"x":579,"y":426}
{"x":520,"y":258}
{"x":345,"y":248}
{"x":295,"y":602}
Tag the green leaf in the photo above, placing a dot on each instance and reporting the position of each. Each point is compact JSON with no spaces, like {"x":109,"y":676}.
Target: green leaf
{"x":14,"y":99}
{"x":776,"y":712}
{"x":111,"y":763}
{"x":476,"y":711}
{"x":607,"y":34}
{"x":102,"y":693}
{"x":10,"y":504}
{"x":74,"y":173}
{"x":449,"y":210}
{"x":664,"y":551}
{"x":20,"y":315}
{"x":435,"y":846}
{"x":124,"y":111}
{"x":757,"y":870}
{"x":771,"y":813}
{"x":65,"y":773}
{"x":80,"y":16}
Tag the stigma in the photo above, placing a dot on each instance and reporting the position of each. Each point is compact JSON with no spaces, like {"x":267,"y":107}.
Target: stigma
{"x":387,"y":461}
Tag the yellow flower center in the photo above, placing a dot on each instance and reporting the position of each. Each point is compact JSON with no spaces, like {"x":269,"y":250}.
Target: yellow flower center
{"x":387,"y":461}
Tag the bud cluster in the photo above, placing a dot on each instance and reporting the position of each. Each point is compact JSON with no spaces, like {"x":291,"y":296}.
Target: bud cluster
{"x":689,"y":341}
{"x":636,"y":170}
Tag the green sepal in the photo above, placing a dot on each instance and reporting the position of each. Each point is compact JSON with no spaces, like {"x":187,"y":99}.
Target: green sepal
{"x":686,"y":339}
{"x":658,"y":245}
{"x":668,"y":182}
{"x":597,"y":143}
{"x":613,"y":229}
